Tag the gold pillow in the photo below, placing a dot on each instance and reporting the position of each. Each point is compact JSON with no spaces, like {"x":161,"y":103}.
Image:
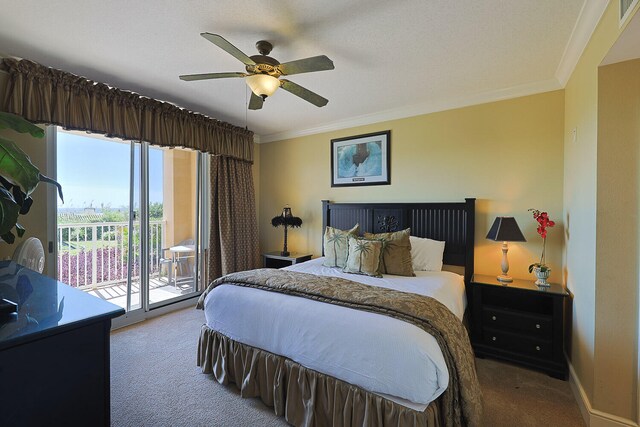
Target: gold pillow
{"x":396,"y":252}
{"x":336,"y":245}
{"x":364,"y":257}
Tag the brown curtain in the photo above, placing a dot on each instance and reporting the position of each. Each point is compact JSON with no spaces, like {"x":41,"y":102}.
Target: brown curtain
{"x":233,"y":238}
{"x":45,"y":95}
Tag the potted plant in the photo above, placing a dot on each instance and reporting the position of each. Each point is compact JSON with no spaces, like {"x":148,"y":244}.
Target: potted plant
{"x":540,"y":269}
{"x":18,"y":177}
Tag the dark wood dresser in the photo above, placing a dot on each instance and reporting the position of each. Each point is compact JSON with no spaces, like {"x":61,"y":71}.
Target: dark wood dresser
{"x":54,"y":353}
{"x":520,"y":323}
{"x":275,"y":260}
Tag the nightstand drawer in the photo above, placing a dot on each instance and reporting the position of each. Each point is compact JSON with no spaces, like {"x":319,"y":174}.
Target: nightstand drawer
{"x":530,"y":346}
{"x":517,"y":320}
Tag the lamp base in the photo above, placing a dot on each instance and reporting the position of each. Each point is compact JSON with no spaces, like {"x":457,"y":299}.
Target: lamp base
{"x":285,"y":253}
{"x":505,"y":278}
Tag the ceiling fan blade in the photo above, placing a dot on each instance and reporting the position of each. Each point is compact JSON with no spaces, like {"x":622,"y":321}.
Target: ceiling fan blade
{"x":255,"y":103}
{"x":223,"y":44}
{"x":303,"y":93}
{"x":207,"y":76}
{"x":307,"y":65}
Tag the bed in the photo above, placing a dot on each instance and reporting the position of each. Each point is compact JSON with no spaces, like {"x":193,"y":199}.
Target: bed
{"x":343,"y":363}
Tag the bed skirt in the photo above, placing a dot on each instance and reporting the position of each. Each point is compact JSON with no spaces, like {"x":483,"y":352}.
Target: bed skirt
{"x":303,"y":396}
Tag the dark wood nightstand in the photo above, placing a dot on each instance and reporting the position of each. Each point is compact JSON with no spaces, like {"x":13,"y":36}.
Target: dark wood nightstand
{"x":520,"y":323}
{"x":275,"y":260}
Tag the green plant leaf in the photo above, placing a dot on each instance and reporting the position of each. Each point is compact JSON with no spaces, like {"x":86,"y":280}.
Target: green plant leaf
{"x":9,"y":210}
{"x":16,"y":167}
{"x":19,"y":124}
{"x":53,"y":182}
{"x":8,"y":237}
{"x":20,"y":230}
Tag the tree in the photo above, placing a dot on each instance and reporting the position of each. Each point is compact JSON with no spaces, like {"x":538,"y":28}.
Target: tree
{"x":337,"y":239}
{"x":155,"y":210}
{"x":362,"y":247}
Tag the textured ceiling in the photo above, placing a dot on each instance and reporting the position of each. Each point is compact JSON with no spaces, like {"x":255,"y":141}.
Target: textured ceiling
{"x":388,"y":54}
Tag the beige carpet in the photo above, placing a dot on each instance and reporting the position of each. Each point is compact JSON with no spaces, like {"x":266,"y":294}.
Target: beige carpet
{"x":155,"y":382}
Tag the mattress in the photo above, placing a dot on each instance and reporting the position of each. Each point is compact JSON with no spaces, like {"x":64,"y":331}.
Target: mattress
{"x":378,"y":353}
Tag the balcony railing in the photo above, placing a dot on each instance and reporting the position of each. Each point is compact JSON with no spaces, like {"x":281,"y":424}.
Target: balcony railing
{"x":94,"y":255}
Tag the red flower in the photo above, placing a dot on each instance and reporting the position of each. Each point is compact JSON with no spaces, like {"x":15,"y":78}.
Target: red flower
{"x":543,"y":223}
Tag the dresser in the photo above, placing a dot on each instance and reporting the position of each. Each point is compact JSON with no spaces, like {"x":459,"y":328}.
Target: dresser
{"x":54,"y":352}
{"x":520,"y":323}
{"x":275,"y":260}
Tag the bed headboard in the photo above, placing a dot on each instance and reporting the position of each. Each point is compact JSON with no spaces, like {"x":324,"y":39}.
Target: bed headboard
{"x":452,"y":223}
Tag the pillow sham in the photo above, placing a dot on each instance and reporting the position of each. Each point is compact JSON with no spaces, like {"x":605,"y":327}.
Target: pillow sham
{"x":363,"y":256}
{"x":426,"y":254}
{"x":336,"y":245}
{"x":396,"y":252}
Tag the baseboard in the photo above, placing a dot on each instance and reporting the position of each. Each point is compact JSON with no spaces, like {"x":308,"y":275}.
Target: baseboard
{"x":593,"y":417}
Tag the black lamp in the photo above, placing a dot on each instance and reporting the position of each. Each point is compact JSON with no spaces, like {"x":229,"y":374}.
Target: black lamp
{"x":287,"y":220}
{"x":505,"y":229}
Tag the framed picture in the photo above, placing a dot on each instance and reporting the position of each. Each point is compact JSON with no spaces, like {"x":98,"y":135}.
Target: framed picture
{"x":361,"y":160}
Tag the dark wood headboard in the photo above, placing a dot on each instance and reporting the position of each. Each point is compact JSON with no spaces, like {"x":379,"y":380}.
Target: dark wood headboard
{"x":452,"y":223}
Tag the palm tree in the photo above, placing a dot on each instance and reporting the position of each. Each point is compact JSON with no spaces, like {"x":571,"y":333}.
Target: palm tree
{"x":337,"y":239}
{"x":385,"y":249}
{"x":362,"y":247}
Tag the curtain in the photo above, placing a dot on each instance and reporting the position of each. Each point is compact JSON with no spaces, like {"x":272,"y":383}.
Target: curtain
{"x":45,"y":95}
{"x":233,"y":239}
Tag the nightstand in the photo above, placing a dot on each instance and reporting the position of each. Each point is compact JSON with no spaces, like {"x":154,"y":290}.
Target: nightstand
{"x":520,"y":323}
{"x":275,"y":260}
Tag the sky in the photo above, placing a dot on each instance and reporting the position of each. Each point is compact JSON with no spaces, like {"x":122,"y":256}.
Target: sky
{"x":95,"y":172}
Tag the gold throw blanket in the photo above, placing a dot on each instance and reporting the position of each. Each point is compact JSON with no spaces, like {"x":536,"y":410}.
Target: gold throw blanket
{"x":461,"y":401}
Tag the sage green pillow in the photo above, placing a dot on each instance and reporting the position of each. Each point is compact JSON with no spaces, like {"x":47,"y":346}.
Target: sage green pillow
{"x":396,"y":252}
{"x":335,"y":244}
{"x":364,"y":256}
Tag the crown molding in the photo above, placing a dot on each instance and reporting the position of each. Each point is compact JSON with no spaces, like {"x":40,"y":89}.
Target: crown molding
{"x":418,"y":109}
{"x":590,"y":15}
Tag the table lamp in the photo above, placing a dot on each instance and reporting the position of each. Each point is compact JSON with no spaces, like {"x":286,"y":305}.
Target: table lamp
{"x":505,"y":229}
{"x":286,"y":219}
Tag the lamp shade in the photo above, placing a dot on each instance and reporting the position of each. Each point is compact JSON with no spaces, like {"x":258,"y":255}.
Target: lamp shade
{"x":505,"y":229}
{"x":263,"y":85}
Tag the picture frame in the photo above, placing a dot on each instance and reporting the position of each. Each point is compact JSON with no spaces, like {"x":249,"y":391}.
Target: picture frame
{"x":361,"y":160}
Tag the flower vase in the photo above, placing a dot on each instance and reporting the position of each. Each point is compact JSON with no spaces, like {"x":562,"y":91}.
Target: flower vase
{"x":542,"y":276}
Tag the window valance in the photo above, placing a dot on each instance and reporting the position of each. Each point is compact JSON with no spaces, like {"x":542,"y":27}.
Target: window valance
{"x":46,"y":95}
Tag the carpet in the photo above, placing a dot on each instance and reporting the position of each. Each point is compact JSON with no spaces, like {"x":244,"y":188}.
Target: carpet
{"x":155,"y":382}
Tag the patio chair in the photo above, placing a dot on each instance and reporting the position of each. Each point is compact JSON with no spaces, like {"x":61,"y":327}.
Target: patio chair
{"x":179,"y":265}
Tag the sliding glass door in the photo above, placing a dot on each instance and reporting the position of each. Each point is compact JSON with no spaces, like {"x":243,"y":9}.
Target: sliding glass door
{"x":129,"y":231}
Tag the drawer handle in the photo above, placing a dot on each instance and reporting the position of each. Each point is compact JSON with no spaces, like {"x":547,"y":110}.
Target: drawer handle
{"x":493,"y":338}
{"x":537,"y":325}
{"x":538,"y":348}
{"x":493,"y":317}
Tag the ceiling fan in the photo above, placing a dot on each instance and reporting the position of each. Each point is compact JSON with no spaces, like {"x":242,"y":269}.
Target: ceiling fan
{"x":263,"y":72}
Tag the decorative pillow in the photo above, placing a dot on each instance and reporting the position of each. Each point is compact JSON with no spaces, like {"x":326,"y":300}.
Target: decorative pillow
{"x":426,"y":254}
{"x":336,"y":245}
{"x":396,"y":252}
{"x":364,"y":257}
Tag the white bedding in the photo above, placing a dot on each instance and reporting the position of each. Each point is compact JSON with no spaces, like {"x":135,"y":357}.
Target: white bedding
{"x":378,"y":353}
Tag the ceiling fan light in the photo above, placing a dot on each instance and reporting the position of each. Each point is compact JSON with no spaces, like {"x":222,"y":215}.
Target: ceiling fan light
{"x":263,"y":85}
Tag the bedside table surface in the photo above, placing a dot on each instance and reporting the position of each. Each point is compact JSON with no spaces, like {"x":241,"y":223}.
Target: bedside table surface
{"x":527,"y":285}
{"x":292,"y":255}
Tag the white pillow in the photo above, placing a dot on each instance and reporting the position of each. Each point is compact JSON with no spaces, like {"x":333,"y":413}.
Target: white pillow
{"x":426,"y":254}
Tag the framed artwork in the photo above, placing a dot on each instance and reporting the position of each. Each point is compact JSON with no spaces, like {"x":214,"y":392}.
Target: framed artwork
{"x":361,"y":160}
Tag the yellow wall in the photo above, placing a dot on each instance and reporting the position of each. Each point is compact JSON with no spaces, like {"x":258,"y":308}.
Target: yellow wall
{"x":596,"y":313}
{"x":617,"y":232}
{"x":179,"y":192}
{"x":507,"y":154}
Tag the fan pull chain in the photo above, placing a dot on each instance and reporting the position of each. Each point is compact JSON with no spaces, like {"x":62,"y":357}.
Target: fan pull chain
{"x":246,"y":106}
